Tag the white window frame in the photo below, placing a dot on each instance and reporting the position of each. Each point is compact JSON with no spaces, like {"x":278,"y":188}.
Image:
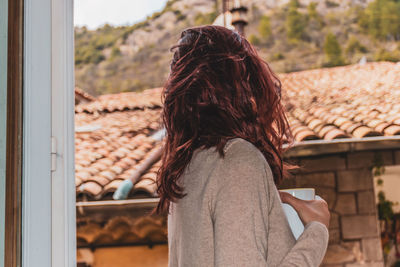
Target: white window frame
{"x":48,"y":209}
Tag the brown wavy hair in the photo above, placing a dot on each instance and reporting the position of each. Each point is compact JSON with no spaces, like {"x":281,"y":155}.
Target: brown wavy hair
{"x":218,"y":89}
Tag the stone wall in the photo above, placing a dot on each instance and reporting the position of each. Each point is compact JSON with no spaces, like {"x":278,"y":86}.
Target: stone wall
{"x":345,"y":181}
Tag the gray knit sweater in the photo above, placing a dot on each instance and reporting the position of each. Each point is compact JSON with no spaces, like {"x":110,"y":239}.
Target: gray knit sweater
{"x":232,"y":215}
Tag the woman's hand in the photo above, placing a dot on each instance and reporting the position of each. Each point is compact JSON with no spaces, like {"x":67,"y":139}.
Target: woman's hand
{"x":308,"y":210}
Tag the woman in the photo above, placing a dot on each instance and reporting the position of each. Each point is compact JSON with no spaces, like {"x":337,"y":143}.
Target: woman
{"x":225,"y":128}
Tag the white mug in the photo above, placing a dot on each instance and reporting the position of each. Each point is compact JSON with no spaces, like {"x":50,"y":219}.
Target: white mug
{"x":295,"y":223}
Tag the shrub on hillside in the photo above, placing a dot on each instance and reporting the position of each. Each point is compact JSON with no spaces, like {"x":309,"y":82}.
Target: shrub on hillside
{"x":264,"y":27}
{"x":353,"y":46}
{"x":115,"y":52}
{"x":330,"y":3}
{"x":253,"y":39}
{"x":384,"y":55}
{"x":295,"y":22}
{"x":88,"y":55}
{"x":277,"y":56}
{"x":179,"y":15}
{"x":313,"y":17}
{"x":333,"y":51}
{"x":381,"y":19}
{"x":205,"y":19}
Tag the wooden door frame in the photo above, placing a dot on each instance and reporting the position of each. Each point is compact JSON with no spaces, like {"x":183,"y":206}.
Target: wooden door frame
{"x":13,"y":207}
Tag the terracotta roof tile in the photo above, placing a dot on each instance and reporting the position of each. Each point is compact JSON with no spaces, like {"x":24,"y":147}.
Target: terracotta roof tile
{"x":150,"y":175}
{"x":114,"y":132}
{"x":348,"y":126}
{"x":381,"y":127}
{"x":299,"y":129}
{"x":324,"y":130}
{"x":392,"y":130}
{"x":335,"y":134}
{"x":109,"y":175}
{"x":351,"y":128}
{"x":305,"y":135}
{"x":83,"y":175}
{"x":102,"y":181}
{"x":111,"y":187}
{"x":116,"y":169}
{"x":147,"y":185}
{"x":340,"y":121}
{"x":82,"y":97}
{"x":364,"y":131}
{"x":397,"y":121}
{"x":78,"y":181}
{"x":91,"y":188}
{"x":375,"y":122}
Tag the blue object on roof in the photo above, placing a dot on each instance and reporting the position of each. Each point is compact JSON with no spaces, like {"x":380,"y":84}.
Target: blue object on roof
{"x":123,"y":190}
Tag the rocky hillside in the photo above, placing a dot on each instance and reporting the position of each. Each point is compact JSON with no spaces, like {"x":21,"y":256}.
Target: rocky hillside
{"x":291,"y":35}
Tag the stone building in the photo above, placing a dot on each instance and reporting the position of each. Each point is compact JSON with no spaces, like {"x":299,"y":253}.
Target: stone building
{"x":345,"y":120}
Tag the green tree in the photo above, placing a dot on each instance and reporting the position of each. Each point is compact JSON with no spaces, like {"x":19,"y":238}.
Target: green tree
{"x":314,"y":17}
{"x":295,"y":22}
{"x":353,"y":46}
{"x":253,"y":39}
{"x":264,"y":27}
{"x":362,"y":19}
{"x":294,"y":4}
{"x":312,"y":10}
{"x":205,"y":19}
{"x":329,"y":4}
{"x":333,"y":51}
{"x":373,"y":14}
{"x":115,"y":52}
{"x":384,"y":55}
{"x":381,"y":19}
{"x":277,"y":56}
{"x":390,"y":19}
{"x":88,"y":54}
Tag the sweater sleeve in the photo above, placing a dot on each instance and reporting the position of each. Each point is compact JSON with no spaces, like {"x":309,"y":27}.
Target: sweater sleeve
{"x":240,"y":208}
{"x":240,"y":214}
{"x":310,"y":248}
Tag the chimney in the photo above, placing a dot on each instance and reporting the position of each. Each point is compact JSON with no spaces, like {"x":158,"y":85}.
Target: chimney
{"x":239,"y":18}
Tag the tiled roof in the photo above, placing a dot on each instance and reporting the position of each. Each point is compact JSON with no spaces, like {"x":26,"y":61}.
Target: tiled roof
{"x":150,"y":98}
{"x":82,"y":96}
{"x":113,"y":133}
{"x":113,"y":136}
{"x":122,"y":230}
{"x":351,"y":101}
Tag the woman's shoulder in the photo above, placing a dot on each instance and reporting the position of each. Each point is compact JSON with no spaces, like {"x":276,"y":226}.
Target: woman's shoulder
{"x":243,"y":151}
{"x":239,"y":144}
{"x":242,"y":169}
{"x":238,"y":153}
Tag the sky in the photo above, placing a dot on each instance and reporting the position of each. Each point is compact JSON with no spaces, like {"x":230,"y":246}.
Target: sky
{"x":95,"y":13}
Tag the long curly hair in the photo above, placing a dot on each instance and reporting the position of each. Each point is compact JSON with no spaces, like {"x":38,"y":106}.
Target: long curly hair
{"x":218,"y":89}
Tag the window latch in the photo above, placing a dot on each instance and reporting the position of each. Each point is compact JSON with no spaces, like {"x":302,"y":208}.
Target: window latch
{"x":53,"y":154}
